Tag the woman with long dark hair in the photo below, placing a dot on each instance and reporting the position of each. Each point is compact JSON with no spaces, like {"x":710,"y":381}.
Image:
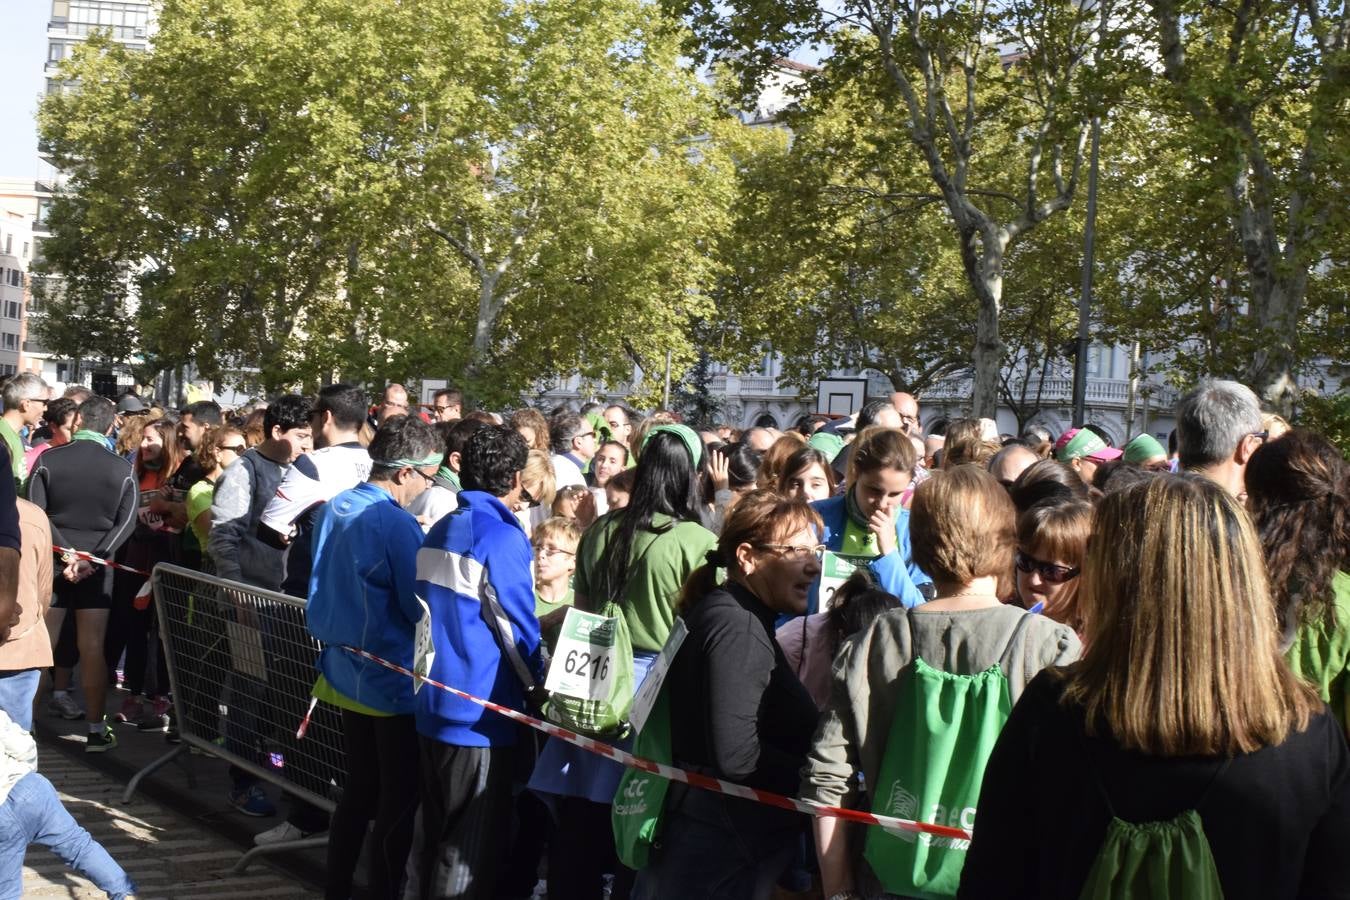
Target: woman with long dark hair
{"x":639,"y":557}
{"x":1298,"y":492}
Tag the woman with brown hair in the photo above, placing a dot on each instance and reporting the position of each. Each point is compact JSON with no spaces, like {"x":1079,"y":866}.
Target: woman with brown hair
{"x":1181,"y":715}
{"x":533,"y":427}
{"x":1052,"y":540}
{"x":963,"y":534}
{"x":773,"y":460}
{"x":737,"y":711}
{"x":867,"y":526}
{"x":1298,"y":492}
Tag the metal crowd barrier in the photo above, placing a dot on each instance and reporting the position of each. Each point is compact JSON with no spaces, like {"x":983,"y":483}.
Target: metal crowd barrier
{"x":241,"y":668}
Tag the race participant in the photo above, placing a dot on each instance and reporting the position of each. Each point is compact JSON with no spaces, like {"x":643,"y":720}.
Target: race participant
{"x":1218,"y":430}
{"x":1083,"y":450}
{"x":1052,"y":540}
{"x":447,"y":405}
{"x":866,"y":525}
{"x":1181,"y":757}
{"x":573,"y":441}
{"x":807,"y":475}
{"x":219,"y":449}
{"x":964,"y":639}
{"x":89,"y":494}
{"x":640,"y":557}
{"x":467,"y":752}
{"x":737,"y":710}
{"x":25,"y":402}
{"x":1298,"y":492}
{"x":362,"y":594}
{"x":440,"y":498}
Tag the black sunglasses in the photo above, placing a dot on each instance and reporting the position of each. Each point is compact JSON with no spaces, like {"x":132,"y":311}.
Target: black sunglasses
{"x":525,"y":495}
{"x":1049,"y":572}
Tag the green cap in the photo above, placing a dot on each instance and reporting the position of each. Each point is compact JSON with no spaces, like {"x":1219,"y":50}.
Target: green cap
{"x":1144,"y":448}
{"x":826,"y":442}
{"x":1077,"y":443}
{"x":684,"y":433}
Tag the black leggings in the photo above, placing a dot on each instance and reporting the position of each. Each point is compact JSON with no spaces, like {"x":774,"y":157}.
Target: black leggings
{"x":382,"y":785}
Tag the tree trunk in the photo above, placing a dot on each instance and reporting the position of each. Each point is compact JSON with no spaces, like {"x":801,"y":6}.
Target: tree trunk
{"x":982,"y":259}
{"x":1271,"y":372}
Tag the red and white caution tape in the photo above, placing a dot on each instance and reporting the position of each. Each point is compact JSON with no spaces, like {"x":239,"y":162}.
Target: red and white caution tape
{"x":694,"y":779}
{"x":89,"y":557}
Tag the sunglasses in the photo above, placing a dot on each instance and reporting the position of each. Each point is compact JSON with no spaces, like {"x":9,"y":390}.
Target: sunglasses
{"x":1049,"y":572}
{"x":528,"y":498}
{"x":234,"y":448}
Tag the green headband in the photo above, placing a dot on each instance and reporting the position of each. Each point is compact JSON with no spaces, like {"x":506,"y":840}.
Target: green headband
{"x":433,"y":459}
{"x":684,"y":433}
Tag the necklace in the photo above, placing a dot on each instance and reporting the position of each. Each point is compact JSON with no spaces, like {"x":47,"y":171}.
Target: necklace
{"x":981,"y":595}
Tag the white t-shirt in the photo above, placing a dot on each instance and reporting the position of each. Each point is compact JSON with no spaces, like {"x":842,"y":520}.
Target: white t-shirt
{"x":566,"y":472}
{"x":314,"y":479}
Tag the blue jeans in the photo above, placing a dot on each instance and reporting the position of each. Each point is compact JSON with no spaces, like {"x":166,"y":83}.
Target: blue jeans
{"x":17,"y":689}
{"x":33,"y":814}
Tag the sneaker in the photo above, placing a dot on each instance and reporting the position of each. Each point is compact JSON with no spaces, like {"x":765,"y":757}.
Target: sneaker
{"x":133,"y":710}
{"x":64,"y":707}
{"x":101,"y":741}
{"x":251,"y":801}
{"x":280,"y":834}
{"x":157,"y":718}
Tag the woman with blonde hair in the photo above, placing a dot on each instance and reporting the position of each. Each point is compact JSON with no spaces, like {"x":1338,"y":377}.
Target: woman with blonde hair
{"x":1181,"y":723}
{"x":963,"y":533}
{"x":538,"y":487}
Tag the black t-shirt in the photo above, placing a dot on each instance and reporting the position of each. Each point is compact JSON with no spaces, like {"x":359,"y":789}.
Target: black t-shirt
{"x":1277,"y":820}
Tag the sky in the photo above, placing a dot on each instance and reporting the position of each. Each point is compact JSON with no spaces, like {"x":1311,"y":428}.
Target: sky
{"x":23,"y":47}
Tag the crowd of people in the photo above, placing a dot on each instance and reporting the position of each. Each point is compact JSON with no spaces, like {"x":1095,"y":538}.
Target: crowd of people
{"x":1116,"y":671}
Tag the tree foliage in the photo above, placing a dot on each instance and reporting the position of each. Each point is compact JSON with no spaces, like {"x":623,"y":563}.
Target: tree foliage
{"x":494,"y":191}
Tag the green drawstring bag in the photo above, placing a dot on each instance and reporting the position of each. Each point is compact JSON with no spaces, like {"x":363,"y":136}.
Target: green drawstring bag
{"x":1168,"y":860}
{"x":640,"y":801}
{"x":590,"y":678}
{"x":944,"y":729}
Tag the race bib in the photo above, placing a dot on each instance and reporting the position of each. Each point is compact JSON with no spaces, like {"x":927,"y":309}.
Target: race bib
{"x":835,"y":568}
{"x":645,"y":698}
{"x":584,"y":664}
{"x":424,"y":651}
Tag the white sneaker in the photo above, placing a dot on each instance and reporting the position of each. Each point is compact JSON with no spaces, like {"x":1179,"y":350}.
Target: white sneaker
{"x":280,"y":834}
{"x":64,"y":707}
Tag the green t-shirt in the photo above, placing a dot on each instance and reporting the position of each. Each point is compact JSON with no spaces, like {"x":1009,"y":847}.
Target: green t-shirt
{"x":542,"y":608}
{"x":199,"y":498}
{"x":1320,"y":654}
{"x":660,"y":563}
{"x":325,"y":691}
{"x":15,"y":447}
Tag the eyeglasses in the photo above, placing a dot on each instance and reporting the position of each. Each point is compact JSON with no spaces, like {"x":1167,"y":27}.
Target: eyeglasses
{"x":35,"y":400}
{"x":590,"y":433}
{"x":441,"y":409}
{"x":546,"y":552}
{"x":1049,"y":572}
{"x":526,"y":496}
{"x":1261,"y":436}
{"x":392,"y":405}
{"x":235,"y":448}
{"x":429,"y":479}
{"x":794,"y":552}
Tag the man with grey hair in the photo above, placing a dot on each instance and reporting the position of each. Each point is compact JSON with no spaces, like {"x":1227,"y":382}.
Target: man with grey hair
{"x":1218,"y":430}
{"x":574,"y":442}
{"x":25,"y":399}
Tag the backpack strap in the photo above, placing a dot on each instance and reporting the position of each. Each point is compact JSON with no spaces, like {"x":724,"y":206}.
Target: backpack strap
{"x":500,"y":626}
{"x":1095,"y":759}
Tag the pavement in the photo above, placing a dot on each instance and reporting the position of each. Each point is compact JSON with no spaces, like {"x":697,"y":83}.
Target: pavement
{"x":176,"y":840}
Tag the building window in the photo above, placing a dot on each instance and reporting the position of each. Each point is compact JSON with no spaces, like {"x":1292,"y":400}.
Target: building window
{"x":9,"y":245}
{"x":25,"y":249}
{"x":15,"y":278}
{"x":60,"y":10}
{"x":11,"y":341}
{"x":11,"y":309}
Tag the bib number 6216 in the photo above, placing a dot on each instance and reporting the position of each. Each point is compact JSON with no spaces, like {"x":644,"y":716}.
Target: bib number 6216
{"x":583,"y":663}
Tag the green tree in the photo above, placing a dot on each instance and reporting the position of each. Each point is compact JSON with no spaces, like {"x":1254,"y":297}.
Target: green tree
{"x":1265,"y":85}
{"x":1001,"y":139}
{"x":498,"y":191}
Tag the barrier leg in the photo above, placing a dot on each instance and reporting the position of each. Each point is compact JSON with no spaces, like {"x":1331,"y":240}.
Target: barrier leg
{"x":281,"y":847}
{"x":150,"y":769}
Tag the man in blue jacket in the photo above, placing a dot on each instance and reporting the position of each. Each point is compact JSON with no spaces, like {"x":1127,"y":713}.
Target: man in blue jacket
{"x":361,"y":594}
{"x":472,"y":556}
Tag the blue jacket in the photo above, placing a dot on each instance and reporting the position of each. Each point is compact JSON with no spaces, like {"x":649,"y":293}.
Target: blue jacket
{"x":481,"y":541}
{"x":895,"y":571}
{"x":361,"y":593}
